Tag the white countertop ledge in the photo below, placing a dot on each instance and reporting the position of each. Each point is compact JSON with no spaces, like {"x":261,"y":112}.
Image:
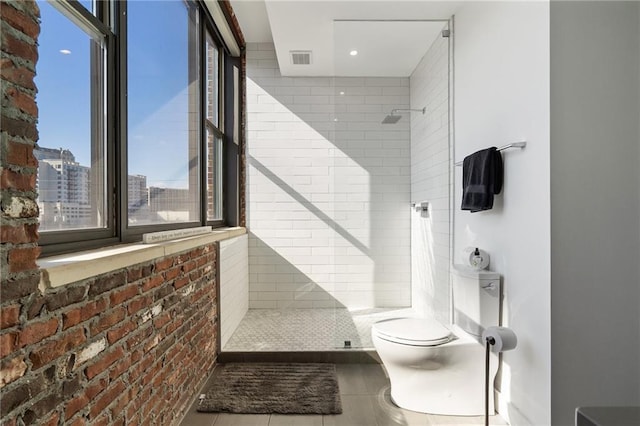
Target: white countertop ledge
{"x":56,"y":271}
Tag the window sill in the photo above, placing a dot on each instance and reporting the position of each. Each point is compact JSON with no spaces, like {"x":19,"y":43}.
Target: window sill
{"x":57,"y":271}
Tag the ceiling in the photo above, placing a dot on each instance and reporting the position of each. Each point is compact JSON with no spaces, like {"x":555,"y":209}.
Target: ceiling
{"x":390,"y":36}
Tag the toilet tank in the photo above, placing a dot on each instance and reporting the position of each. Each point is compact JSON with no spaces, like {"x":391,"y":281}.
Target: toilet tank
{"x":476,"y":299}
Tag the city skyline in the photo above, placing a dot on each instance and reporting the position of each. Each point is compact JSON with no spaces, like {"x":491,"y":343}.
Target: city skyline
{"x":158,"y":130}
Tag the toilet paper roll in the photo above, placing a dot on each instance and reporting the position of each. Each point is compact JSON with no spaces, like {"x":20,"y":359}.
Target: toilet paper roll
{"x":479,"y":262}
{"x":505,"y":338}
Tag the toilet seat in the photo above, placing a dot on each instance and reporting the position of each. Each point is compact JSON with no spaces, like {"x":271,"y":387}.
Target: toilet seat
{"x":412,"y":331}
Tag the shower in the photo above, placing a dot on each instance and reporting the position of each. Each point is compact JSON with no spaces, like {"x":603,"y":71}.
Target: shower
{"x":393,"y":118}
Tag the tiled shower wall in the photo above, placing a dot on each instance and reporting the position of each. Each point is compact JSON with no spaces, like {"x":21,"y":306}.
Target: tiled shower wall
{"x":329,"y":189}
{"x":234,"y":285}
{"x":430,"y":182}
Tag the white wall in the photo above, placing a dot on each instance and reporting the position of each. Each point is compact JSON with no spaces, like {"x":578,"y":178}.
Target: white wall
{"x":234,"y":285}
{"x":328,"y":189}
{"x":502,"y":96}
{"x":430,"y":182}
{"x":595,"y":189}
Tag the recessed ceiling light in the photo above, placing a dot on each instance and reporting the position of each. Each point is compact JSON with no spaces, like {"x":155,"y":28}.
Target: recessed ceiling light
{"x":65,"y":51}
{"x":342,"y":93}
{"x":353,"y":53}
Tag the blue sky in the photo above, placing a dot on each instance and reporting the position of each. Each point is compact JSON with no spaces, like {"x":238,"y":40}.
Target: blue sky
{"x":157,"y":89}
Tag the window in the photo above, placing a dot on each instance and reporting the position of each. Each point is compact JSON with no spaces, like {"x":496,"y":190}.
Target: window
{"x":71,"y":149}
{"x":132,"y":117}
{"x":163,"y":111}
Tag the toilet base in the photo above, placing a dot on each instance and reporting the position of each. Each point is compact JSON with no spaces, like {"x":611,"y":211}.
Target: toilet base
{"x":445,"y":380}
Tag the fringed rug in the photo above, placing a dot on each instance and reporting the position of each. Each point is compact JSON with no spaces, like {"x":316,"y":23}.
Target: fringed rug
{"x":261,"y":388}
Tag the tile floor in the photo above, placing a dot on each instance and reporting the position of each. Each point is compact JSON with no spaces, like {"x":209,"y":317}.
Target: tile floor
{"x":294,"y":330}
{"x":364,"y":390}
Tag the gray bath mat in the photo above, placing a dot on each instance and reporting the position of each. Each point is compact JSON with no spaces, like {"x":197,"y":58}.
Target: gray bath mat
{"x":261,"y":388}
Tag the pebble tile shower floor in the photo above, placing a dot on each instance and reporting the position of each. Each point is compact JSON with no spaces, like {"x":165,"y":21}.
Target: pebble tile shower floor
{"x":294,"y":330}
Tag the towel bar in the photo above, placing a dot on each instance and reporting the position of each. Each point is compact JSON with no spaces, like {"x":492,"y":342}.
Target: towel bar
{"x":520,"y":145}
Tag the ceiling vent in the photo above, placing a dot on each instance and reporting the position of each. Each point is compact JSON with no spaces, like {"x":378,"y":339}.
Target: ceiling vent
{"x":300,"y":57}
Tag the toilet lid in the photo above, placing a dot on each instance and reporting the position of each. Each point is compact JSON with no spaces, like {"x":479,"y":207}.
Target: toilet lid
{"x":413,"y":331}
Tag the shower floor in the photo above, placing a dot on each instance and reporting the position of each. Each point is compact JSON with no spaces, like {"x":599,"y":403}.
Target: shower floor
{"x":295,"y":330}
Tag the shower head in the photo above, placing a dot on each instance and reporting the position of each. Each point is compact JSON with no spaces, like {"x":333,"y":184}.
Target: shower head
{"x":393,"y":118}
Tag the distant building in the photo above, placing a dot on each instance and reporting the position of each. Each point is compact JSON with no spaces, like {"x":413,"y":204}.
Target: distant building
{"x":64,"y":190}
{"x":172,"y":204}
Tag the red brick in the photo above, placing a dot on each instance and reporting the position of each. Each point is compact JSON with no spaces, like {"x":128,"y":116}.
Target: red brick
{"x":120,"y":405}
{"x":8,"y":343}
{"x":107,"y":397}
{"x":137,"y":304}
{"x":23,"y":101}
{"x":162,"y":320}
{"x":18,"y":127}
{"x":16,"y":74}
{"x":9,"y":315}
{"x":74,"y":405}
{"x":23,"y":259}
{"x":171,"y":273}
{"x":153,"y":282}
{"x":201,"y":261}
{"x":80,"y":421}
{"x":20,"y":21}
{"x":71,"y":318}
{"x":53,"y":420}
{"x":120,"y":296}
{"x":189,"y":266}
{"x":181,"y":282}
{"x":117,"y":334}
{"x":161,"y":265}
{"x":136,"y":273}
{"x":120,"y":368}
{"x":93,"y":308}
{"x":102,"y":421}
{"x":196,"y":275}
{"x":52,"y":350}
{"x":21,"y":234}
{"x":177,"y":322}
{"x":20,"y":154}
{"x":96,"y":388}
{"x":36,"y":332}
{"x":105,"y":283}
{"x":18,"y":48}
{"x":139,"y":337}
{"x":103,"y":363}
{"x":107,"y":321}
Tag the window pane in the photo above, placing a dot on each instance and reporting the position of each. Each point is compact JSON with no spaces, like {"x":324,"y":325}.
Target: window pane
{"x":70,"y":81}
{"x":214,"y":176}
{"x":213,"y":81}
{"x":163,"y":114}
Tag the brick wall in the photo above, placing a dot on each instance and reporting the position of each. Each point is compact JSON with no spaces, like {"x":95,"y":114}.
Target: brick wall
{"x":329,"y":189}
{"x":18,"y":167}
{"x":129,"y":347}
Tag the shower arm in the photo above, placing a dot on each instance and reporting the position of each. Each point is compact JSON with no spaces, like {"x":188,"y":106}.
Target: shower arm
{"x":423,"y":110}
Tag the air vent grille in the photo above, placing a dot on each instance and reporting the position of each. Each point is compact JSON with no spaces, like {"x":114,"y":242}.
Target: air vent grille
{"x":300,"y":57}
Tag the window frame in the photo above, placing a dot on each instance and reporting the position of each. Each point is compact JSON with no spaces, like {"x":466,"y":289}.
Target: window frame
{"x":74,"y":239}
{"x":111,"y":20}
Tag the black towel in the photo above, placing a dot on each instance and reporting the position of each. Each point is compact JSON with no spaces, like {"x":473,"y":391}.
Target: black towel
{"x":481,"y":179}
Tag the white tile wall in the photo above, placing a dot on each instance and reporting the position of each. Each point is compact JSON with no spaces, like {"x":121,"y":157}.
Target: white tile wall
{"x":234,"y":285}
{"x":329,"y":189}
{"x":430,"y":181}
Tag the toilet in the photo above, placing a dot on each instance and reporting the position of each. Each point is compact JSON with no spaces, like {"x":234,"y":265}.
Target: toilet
{"x":437,"y":368}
